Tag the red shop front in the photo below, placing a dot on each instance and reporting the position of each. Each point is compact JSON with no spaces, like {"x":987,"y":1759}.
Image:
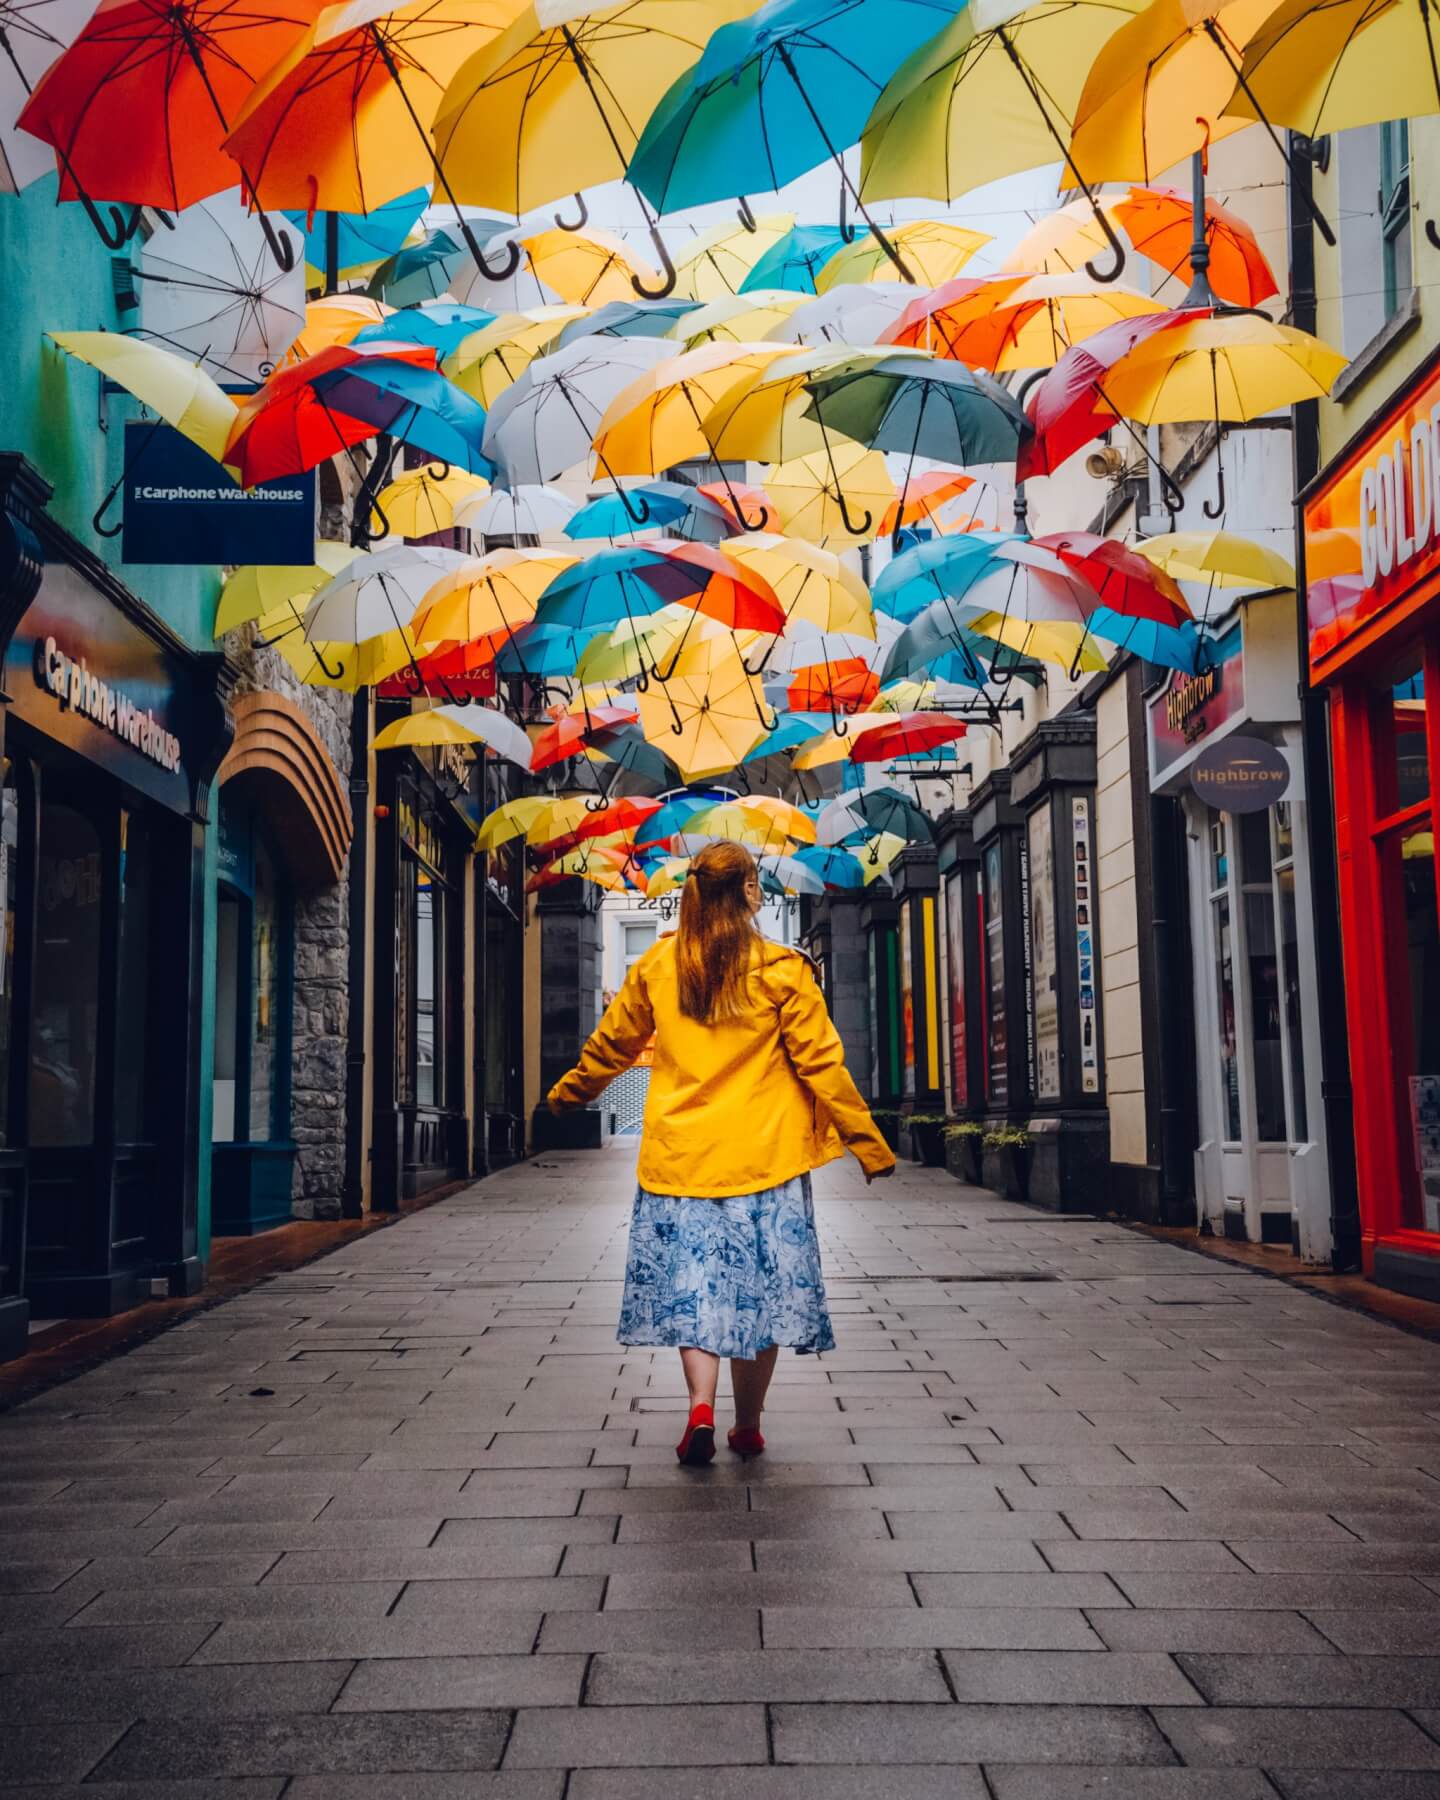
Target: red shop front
{"x":1372,"y":556}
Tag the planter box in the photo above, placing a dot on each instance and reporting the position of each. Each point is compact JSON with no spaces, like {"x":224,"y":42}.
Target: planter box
{"x":927,"y":1145}
{"x":962,"y":1159}
{"x":1007,"y":1171}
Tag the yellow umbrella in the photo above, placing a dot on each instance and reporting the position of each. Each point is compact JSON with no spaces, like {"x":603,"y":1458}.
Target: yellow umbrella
{"x":811,"y":583}
{"x":559,"y":818}
{"x":932,"y":249}
{"x":1222,"y":558}
{"x":261,"y":588}
{"x":765,"y":418}
{"x":423,"y":501}
{"x":725,"y":820}
{"x":486,"y":362}
{"x":818,"y":752}
{"x":1054,"y":641}
{"x":586,"y":267}
{"x":796,"y":825}
{"x":655,"y":422}
{"x":668,"y":876}
{"x":557,"y":102}
{"x":634,"y":647}
{"x":738,"y":318}
{"x":1159,"y":86}
{"x":495,"y":593}
{"x":421,"y":729}
{"x":876,"y":854}
{"x":344,"y":667}
{"x":590,"y":865}
{"x":511,"y":820}
{"x":813,"y":494}
{"x":718,"y":260}
{"x":1328,"y":67}
{"x":333,"y":319}
{"x":719,"y":711}
{"x":1061,"y":242}
{"x":175,"y":389}
{"x":984,"y":99}
{"x":1231,"y":367}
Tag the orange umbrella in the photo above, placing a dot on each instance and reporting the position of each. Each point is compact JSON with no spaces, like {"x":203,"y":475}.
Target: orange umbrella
{"x":1158,"y":222}
{"x":925,"y":495}
{"x":845,"y":686}
{"x":1016,"y":322}
{"x":138,"y":107}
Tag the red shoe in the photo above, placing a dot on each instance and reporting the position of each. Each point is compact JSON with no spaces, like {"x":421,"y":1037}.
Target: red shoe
{"x":697,"y":1447}
{"x":747,"y":1442}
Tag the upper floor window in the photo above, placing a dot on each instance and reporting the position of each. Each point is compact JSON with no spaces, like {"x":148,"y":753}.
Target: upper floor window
{"x":1375,"y":228}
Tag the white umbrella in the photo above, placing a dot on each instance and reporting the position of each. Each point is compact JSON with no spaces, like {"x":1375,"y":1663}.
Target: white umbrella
{"x":515,"y":293}
{"x":211,"y":287}
{"x":544,"y":423}
{"x":32,"y":35}
{"x":494,"y":730}
{"x":376,"y":592}
{"x":516,"y":512}
{"x":797,"y":876}
{"x":854,"y":313}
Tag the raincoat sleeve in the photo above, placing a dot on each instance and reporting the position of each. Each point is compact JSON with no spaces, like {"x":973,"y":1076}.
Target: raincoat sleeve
{"x":614,"y":1044}
{"x":818,"y":1058}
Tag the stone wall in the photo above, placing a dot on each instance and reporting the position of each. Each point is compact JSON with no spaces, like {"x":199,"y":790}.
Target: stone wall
{"x":320,"y":1013}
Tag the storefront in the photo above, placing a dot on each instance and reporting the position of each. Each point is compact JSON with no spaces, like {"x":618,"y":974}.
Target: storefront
{"x":1372,"y":561}
{"x":1005,"y":1015}
{"x":1261,"y":1173}
{"x":915,"y":879}
{"x":963,"y":1033}
{"x":112,"y":732}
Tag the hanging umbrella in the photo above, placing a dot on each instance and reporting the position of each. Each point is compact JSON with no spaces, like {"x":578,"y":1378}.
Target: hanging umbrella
{"x":791,"y":730}
{"x":453,"y":672}
{"x":794,"y":260}
{"x":562,"y":740}
{"x":376,"y":592}
{"x":625,"y":814}
{"x":361,"y":239}
{"x":487,"y":597}
{"x":585,"y":267}
{"x":511,"y":820}
{"x":775,"y":94}
{"x":717,"y":261}
{"x":904,"y":734}
{"x":504,"y":512}
{"x":629,"y":318}
{"x":933,"y":250}
{"x":741,"y":499}
{"x":555,"y":104}
{"x":211,"y":289}
{"x":413,"y":403}
{"x":768,"y":418}
{"x":934,"y":569}
{"x":790,"y":820}
{"x":344,"y":668}
{"x":555,"y":820}
{"x":926,"y":497}
{"x":858,"y":314}
{"x":879,"y":809}
{"x":846,"y":686}
{"x":459,"y":725}
{"x":1067,"y":643}
{"x":439,"y":260}
{"x":705,"y":722}
{"x":1128,"y":584}
{"x":629,"y":582}
{"x":839,"y":494}
{"x":260,"y":588}
{"x":176,"y":390}
{"x":423,"y":501}
{"x":747,"y":318}
{"x":35,"y":32}
{"x":1222,"y":558}
{"x":1160,"y":224}
{"x":673,"y":506}
{"x":640,"y":643}
{"x":492,"y":359}
{"x":836,"y":868}
{"x":543,"y":423}
{"x":442,"y":323}
{"x":942,"y":641}
{"x":334,"y":319}
{"x":787,"y":876}
{"x":812,"y":584}
{"x":1012,"y":322}
{"x":673,"y":816}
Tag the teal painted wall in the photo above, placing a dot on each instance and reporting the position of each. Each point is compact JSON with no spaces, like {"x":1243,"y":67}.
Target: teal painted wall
{"x":58,"y":277}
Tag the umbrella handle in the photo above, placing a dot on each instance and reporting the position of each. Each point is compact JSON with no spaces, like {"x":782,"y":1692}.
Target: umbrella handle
{"x":1432,"y":236}
{"x":1215,"y":509}
{"x":278,"y":242}
{"x":574,"y":224}
{"x":860,"y":530}
{"x":1118,"y":249}
{"x":334,"y":674}
{"x":119,"y":231}
{"x":747,"y":216}
{"x":667,"y":286}
{"x":506,"y":269}
{"x":848,"y":232}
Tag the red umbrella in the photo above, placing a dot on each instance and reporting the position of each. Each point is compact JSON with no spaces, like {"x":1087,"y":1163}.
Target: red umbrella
{"x":703,"y":577}
{"x":569,"y":734}
{"x":1068,"y":408}
{"x":137,"y":107}
{"x":907,"y":734}
{"x":620,"y":815}
{"x":1123,"y":579}
{"x":287,"y":427}
{"x":845,"y":686}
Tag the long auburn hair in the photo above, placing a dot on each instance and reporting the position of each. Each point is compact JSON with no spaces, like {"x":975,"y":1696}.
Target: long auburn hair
{"x":717,"y":935}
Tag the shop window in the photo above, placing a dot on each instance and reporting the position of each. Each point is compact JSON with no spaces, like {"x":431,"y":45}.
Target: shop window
{"x":637,"y":940}
{"x":1405,"y":771}
{"x":1223,"y":942}
{"x":66,"y":981}
{"x":1283,"y":839}
{"x":955,"y":976}
{"x":1263,"y":967}
{"x":420,"y":995}
{"x":251,"y":1092}
{"x":1408,"y":864}
{"x":428,"y":1037}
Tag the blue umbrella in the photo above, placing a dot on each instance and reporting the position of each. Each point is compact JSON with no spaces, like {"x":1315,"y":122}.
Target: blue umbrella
{"x":361,"y":237}
{"x":626,"y":582}
{"x":921,"y":406}
{"x":1172,"y":646}
{"x":442,"y":323}
{"x":676,"y":814}
{"x":796,"y":260}
{"x":777,"y":93}
{"x":682,"y":510}
{"x":940,"y":567}
{"x":628,"y":318}
{"x":416,"y":405}
{"x":793,"y":729}
{"x":425,"y":270}
{"x":836,"y":868}
{"x":534,"y":650}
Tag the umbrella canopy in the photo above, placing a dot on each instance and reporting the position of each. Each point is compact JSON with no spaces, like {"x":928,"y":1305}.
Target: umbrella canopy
{"x":657,"y":420}
{"x":443,"y":323}
{"x":568,"y":735}
{"x":879,"y":809}
{"x":556,"y":102}
{"x":361,"y":239}
{"x":178,"y":391}
{"x":511,"y":820}
{"x":836,"y":868}
{"x":926,"y":496}
{"x":488,"y":595}
{"x":516,"y":512}
{"x":585,"y":267}
{"x":629,"y":582}
{"x":942,"y":640}
{"x":935,"y":569}
{"x":859,"y":313}
{"x":985,"y":98}
{"x":933,"y":250}
{"x":746,"y":318}
{"x":768,"y":419}
{"x":1222,"y":558}
{"x":1331,"y":65}
{"x":812,"y":584}
{"x":628,"y":318}
{"x":544,"y":423}
{"x":719,"y":260}
{"x":211,"y":288}
{"x":673,"y":816}
{"x":334,"y":319}
{"x":785,"y":875}
{"x":775,"y":94}
{"x":257,"y":589}
{"x":673,"y":506}
{"x":840,"y":494}
{"x":1010,"y":322}
{"x":794,"y":259}
{"x":933,"y":408}
{"x":413,"y":403}
{"x":376,"y":592}
{"x":36,"y":31}
{"x":1160,"y":224}
{"x":1128,"y":584}
{"x":904,"y":734}
{"x":489,"y":360}
{"x":340,"y":119}
{"x":460,"y":725}
{"x":137,"y":108}
{"x":1230,"y":367}
{"x":788,"y":820}
{"x":427,"y":268}
{"x":845,"y":686}
{"x":423,"y":501}
{"x":706,"y":722}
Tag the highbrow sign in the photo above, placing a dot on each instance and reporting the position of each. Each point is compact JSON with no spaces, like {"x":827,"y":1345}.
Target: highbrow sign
{"x":76,"y":686}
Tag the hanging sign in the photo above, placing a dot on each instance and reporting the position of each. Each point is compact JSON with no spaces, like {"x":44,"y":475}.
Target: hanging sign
{"x":1240,"y":775}
{"x":1190,"y":708}
{"x":181,"y":506}
{"x":1085,"y":919}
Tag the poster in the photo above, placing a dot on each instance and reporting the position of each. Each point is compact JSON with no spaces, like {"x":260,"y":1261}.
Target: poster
{"x":907,"y":1006}
{"x":997,"y":1042}
{"x":955,"y":975}
{"x":1086,"y":911}
{"x":1425,"y":1125}
{"x":1044,"y":962}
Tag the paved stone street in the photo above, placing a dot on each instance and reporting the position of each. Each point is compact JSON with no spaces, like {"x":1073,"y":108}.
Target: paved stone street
{"x":1070,"y":1512}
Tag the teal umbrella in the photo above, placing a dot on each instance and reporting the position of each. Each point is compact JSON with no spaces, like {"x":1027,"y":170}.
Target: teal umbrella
{"x":360,"y":237}
{"x":442,"y":323}
{"x":628,"y":318}
{"x":924,"y":406}
{"x":796,"y":260}
{"x":425,"y":270}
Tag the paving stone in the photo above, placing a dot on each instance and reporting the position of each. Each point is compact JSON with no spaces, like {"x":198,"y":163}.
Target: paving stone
{"x":50,"y":1753}
{"x":1030,"y":1677}
{"x":261,"y":1788}
{"x":471,"y":1633}
{"x":432,"y":1563}
{"x":1010,"y":1783}
{"x":1380,"y":1633}
{"x":348,"y":1744}
{"x":610,"y":1737}
{"x":1403,"y":1681}
{"x":456,"y":1683}
{"x":912,"y":1555}
{"x":1333,"y":1784}
{"x":1278,"y":1592}
{"x":1298,"y":1738}
{"x":620,"y":1679}
{"x":515,"y":1784}
{"x":1244,"y":1633}
{"x":928,"y":1627}
{"x":1194,"y":1556}
{"x":1047,"y":1590}
{"x":252,"y":1691}
{"x":23,"y":1652}
{"x":726,"y":1628}
{"x":657,"y":1592}
{"x":965,"y":1734}
{"x":776,"y":1784}
{"x":559,"y":1593}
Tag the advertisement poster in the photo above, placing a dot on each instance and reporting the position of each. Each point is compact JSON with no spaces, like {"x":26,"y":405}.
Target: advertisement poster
{"x":1044,"y":962}
{"x":997,"y":1042}
{"x":907,"y":1006}
{"x":955,"y":974}
{"x":1086,"y":912}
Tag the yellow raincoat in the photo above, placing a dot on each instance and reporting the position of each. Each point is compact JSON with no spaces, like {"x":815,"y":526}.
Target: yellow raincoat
{"x":736,"y":1107}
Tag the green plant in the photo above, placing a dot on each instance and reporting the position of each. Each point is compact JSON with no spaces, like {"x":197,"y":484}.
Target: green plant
{"x":926,"y":1118}
{"x":966,"y":1128}
{"x":1007,"y":1137}
{"x":885,"y":1114}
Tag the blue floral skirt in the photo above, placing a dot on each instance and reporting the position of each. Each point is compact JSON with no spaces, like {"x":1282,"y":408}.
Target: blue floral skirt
{"x":731,"y":1276}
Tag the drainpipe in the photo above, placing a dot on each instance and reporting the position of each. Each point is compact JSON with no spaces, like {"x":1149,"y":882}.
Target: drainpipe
{"x":352,"y":1192}
{"x":1337,"y":1098}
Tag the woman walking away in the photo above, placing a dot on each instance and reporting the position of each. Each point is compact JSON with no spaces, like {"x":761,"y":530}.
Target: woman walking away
{"x":748,"y":1093}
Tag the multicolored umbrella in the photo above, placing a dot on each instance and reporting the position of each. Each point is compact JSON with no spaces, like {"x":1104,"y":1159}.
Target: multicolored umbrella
{"x":719,"y":260}
{"x":1015,"y":322}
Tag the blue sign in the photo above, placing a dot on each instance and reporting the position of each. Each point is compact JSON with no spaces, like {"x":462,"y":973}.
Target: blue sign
{"x":181,"y":506}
